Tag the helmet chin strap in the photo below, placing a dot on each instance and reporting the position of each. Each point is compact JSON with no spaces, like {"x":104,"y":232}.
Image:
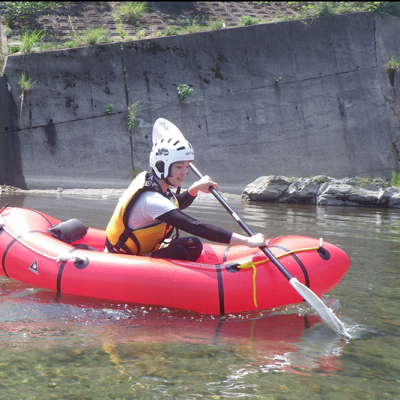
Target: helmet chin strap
{"x":162,"y":173}
{"x":168,"y":175}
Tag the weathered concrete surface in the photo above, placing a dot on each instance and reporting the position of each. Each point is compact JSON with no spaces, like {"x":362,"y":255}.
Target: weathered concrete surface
{"x":324,"y":191}
{"x":79,"y":154}
{"x":10,"y":156}
{"x":295,"y":98}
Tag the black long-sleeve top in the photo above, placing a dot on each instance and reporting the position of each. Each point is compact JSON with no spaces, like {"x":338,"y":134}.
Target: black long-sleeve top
{"x":184,"y":222}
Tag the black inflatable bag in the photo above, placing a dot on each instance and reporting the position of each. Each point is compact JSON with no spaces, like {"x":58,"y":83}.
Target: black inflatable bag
{"x":69,"y":231}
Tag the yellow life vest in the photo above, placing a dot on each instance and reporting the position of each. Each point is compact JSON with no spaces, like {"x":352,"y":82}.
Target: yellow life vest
{"x":139,"y":241}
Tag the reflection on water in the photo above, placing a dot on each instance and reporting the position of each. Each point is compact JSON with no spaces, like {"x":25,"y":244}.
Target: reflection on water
{"x":78,"y":348}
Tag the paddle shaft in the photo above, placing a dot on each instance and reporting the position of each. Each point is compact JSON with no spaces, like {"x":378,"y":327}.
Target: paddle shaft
{"x":228,"y":208}
{"x":3,"y":208}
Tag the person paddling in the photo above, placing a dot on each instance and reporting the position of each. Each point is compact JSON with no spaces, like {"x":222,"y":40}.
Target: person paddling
{"x":148,"y":211}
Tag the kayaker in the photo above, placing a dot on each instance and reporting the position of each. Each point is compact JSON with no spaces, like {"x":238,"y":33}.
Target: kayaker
{"x":148,"y":211}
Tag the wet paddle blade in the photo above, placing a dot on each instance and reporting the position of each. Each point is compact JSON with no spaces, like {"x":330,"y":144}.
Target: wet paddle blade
{"x":323,"y":311}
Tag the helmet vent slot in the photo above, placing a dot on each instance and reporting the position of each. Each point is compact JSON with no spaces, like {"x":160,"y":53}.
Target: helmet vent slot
{"x":181,"y":148}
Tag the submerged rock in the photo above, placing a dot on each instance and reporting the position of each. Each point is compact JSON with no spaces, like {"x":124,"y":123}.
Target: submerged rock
{"x":323,"y":190}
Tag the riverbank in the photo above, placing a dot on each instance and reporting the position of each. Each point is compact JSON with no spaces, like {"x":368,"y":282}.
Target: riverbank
{"x":101,"y":193}
{"x":320,"y":190}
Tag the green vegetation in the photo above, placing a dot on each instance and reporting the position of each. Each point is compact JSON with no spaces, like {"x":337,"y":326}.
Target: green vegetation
{"x":91,"y":37}
{"x":245,"y":20}
{"x":13,"y":49}
{"x":132,"y":112}
{"x":13,"y":11}
{"x":319,"y":179}
{"x":30,"y":40}
{"x":360,"y":181}
{"x":315,"y":9}
{"x":121,"y":31}
{"x":392,"y":68}
{"x":171,"y":31}
{"x":395,"y":179}
{"x":140,"y":34}
{"x":108,"y":109}
{"x":184,"y":91}
{"x":193,"y":25}
{"x":384,"y":7}
{"x":7,"y":30}
{"x":219,"y":24}
{"x":26,"y":85}
{"x":130,"y":11}
{"x":393,"y":65}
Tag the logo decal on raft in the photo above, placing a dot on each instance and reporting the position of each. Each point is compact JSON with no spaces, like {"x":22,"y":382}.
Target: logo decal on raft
{"x":34,"y":267}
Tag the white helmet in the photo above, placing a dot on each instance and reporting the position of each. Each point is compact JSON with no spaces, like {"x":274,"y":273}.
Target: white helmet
{"x":169,"y":150}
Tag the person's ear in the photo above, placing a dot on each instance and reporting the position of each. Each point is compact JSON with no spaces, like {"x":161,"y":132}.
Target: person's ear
{"x":160,"y":166}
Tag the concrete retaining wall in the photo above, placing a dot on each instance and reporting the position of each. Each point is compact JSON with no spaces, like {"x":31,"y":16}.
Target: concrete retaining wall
{"x":295,"y":98}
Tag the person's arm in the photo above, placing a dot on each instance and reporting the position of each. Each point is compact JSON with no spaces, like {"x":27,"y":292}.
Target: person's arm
{"x":251,"y":241}
{"x":186,"y":198}
{"x":182,"y":221}
{"x":211,"y":232}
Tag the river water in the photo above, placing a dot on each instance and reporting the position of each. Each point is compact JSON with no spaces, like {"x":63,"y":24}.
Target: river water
{"x":79,"y":348}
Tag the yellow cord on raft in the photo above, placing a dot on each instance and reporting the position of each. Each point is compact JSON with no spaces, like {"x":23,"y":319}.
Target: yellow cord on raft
{"x":251,"y":264}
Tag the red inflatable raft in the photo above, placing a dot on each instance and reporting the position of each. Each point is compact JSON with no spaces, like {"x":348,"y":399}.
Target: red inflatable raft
{"x":225,"y":279}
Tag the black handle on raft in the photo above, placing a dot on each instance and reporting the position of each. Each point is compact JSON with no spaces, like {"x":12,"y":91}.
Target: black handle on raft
{"x":228,"y":208}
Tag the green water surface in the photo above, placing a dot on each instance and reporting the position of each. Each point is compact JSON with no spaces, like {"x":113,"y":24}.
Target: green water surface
{"x":78,"y":348}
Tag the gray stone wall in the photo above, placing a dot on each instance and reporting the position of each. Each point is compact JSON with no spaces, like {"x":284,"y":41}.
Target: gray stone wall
{"x":294,"y":98}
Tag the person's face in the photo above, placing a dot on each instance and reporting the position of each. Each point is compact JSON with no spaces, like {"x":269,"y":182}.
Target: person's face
{"x":178,"y":172}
